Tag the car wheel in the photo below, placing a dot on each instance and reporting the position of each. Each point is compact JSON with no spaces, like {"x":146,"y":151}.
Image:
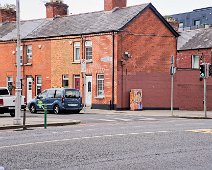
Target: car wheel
{"x":12,"y":114}
{"x":32,"y":108}
{"x":56,"y":109}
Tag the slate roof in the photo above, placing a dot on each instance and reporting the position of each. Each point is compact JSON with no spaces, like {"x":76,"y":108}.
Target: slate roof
{"x":87,"y":23}
{"x":195,"y":39}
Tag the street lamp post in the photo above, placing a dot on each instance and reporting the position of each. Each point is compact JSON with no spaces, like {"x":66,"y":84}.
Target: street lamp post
{"x":17,"y":119}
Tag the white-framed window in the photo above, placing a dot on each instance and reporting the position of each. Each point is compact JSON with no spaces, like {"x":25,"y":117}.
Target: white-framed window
{"x":65,"y":80}
{"x":38,"y":85}
{"x":76,"y":51}
{"x":100,"y":84}
{"x":88,"y":50}
{"x":195,"y":61}
{"x":10,"y":83}
{"x":28,"y":53}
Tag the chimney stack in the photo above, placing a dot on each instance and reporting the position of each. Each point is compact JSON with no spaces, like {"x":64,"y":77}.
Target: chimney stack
{"x":173,"y":23}
{"x":111,"y":4}
{"x":7,"y":15}
{"x":56,"y":8}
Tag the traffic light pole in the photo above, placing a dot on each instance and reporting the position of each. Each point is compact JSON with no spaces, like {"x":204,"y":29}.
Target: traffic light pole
{"x":205,"y":98}
{"x":172,"y":93}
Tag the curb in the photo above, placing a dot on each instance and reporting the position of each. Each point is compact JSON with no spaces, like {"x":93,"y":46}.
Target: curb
{"x":190,"y":117}
{"x":40,"y":125}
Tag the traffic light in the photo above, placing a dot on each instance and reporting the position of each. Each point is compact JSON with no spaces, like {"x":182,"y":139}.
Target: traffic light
{"x":202,"y":69}
{"x":210,"y":70}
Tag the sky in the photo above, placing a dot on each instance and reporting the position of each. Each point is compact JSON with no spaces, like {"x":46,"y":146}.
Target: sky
{"x":34,"y":9}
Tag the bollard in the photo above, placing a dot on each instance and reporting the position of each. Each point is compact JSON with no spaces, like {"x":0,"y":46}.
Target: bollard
{"x":45,"y":116}
{"x":24,"y":120}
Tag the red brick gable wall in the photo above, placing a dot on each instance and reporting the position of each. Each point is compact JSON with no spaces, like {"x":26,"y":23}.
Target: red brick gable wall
{"x":150,"y":44}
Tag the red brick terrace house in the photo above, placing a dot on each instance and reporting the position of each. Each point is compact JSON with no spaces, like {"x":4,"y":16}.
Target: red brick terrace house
{"x":194,"y":48}
{"x":124,"y":47}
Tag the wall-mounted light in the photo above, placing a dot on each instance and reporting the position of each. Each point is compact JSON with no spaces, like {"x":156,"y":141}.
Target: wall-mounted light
{"x":70,"y":42}
{"x":13,"y":52}
{"x":39,"y":46}
{"x":127,"y":55}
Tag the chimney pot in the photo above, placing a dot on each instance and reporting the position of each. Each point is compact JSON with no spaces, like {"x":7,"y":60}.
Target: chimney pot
{"x":7,"y":15}
{"x":111,"y":4}
{"x":54,"y":9}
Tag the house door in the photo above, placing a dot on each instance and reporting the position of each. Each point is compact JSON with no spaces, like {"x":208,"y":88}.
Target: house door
{"x":77,"y":82}
{"x":88,"y":98}
{"x":29,"y":89}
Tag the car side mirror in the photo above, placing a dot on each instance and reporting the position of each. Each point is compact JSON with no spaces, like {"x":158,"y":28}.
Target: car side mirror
{"x":39,"y":97}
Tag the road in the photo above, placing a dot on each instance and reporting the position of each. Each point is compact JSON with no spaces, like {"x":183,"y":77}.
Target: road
{"x":105,"y":141}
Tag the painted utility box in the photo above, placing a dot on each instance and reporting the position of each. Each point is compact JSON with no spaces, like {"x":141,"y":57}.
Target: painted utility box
{"x":136,"y":99}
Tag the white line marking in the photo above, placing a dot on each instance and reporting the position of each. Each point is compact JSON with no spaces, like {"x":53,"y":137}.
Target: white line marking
{"x":148,"y":132}
{"x":107,"y":120}
{"x":121,"y":134}
{"x":134,"y":133}
{"x":126,"y":120}
{"x":85,"y":137}
{"x":162,"y":131}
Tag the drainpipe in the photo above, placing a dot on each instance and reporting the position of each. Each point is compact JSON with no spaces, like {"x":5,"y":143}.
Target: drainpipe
{"x":113,"y":75}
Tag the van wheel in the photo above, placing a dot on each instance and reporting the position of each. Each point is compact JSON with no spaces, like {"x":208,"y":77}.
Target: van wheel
{"x":12,"y":114}
{"x":56,"y":109}
{"x":32,"y":108}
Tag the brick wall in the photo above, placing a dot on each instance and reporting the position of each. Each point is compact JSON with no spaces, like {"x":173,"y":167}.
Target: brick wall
{"x":184,"y":58}
{"x":40,"y":64}
{"x":62,"y":63}
{"x":189,"y":86}
{"x":150,"y":45}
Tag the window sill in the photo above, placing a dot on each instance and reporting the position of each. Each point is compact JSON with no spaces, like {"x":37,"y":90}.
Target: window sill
{"x":99,"y":97}
{"x":89,"y":61}
{"x":76,"y":62}
{"x":28,"y":64}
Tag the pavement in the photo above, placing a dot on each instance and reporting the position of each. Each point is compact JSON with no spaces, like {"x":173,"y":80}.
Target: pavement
{"x":6,"y":122}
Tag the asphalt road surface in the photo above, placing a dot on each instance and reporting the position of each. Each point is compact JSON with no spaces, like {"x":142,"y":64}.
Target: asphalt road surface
{"x":111,"y":142}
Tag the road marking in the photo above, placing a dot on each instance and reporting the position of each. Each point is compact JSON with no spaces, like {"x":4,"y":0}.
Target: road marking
{"x":70,"y":139}
{"x":107,"y":120}
{"x":207,"y":131}
{"x":148,"y":132}
{"x":78,"y":130}
{"x":125,"y":120}
{"x":134,"y":133}
{"x":163,"y":131}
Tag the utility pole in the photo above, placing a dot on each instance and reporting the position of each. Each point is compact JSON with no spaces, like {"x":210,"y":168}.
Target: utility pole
{"x":172,"y":72}
{"x":17,"y":119}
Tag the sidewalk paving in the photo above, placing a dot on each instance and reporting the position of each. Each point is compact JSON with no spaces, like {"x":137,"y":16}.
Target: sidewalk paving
{"x":155,"y":113}
{"x":6,"y":122}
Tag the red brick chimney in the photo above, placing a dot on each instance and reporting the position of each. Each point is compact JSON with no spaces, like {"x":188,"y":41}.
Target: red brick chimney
{"x":56,"y":9}
{"x":110,"y":4}
{"x":7,"y":15}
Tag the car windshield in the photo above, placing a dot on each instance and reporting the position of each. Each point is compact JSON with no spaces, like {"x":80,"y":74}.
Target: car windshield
{"x":72,"y":94}
{"x":4,"y":92}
